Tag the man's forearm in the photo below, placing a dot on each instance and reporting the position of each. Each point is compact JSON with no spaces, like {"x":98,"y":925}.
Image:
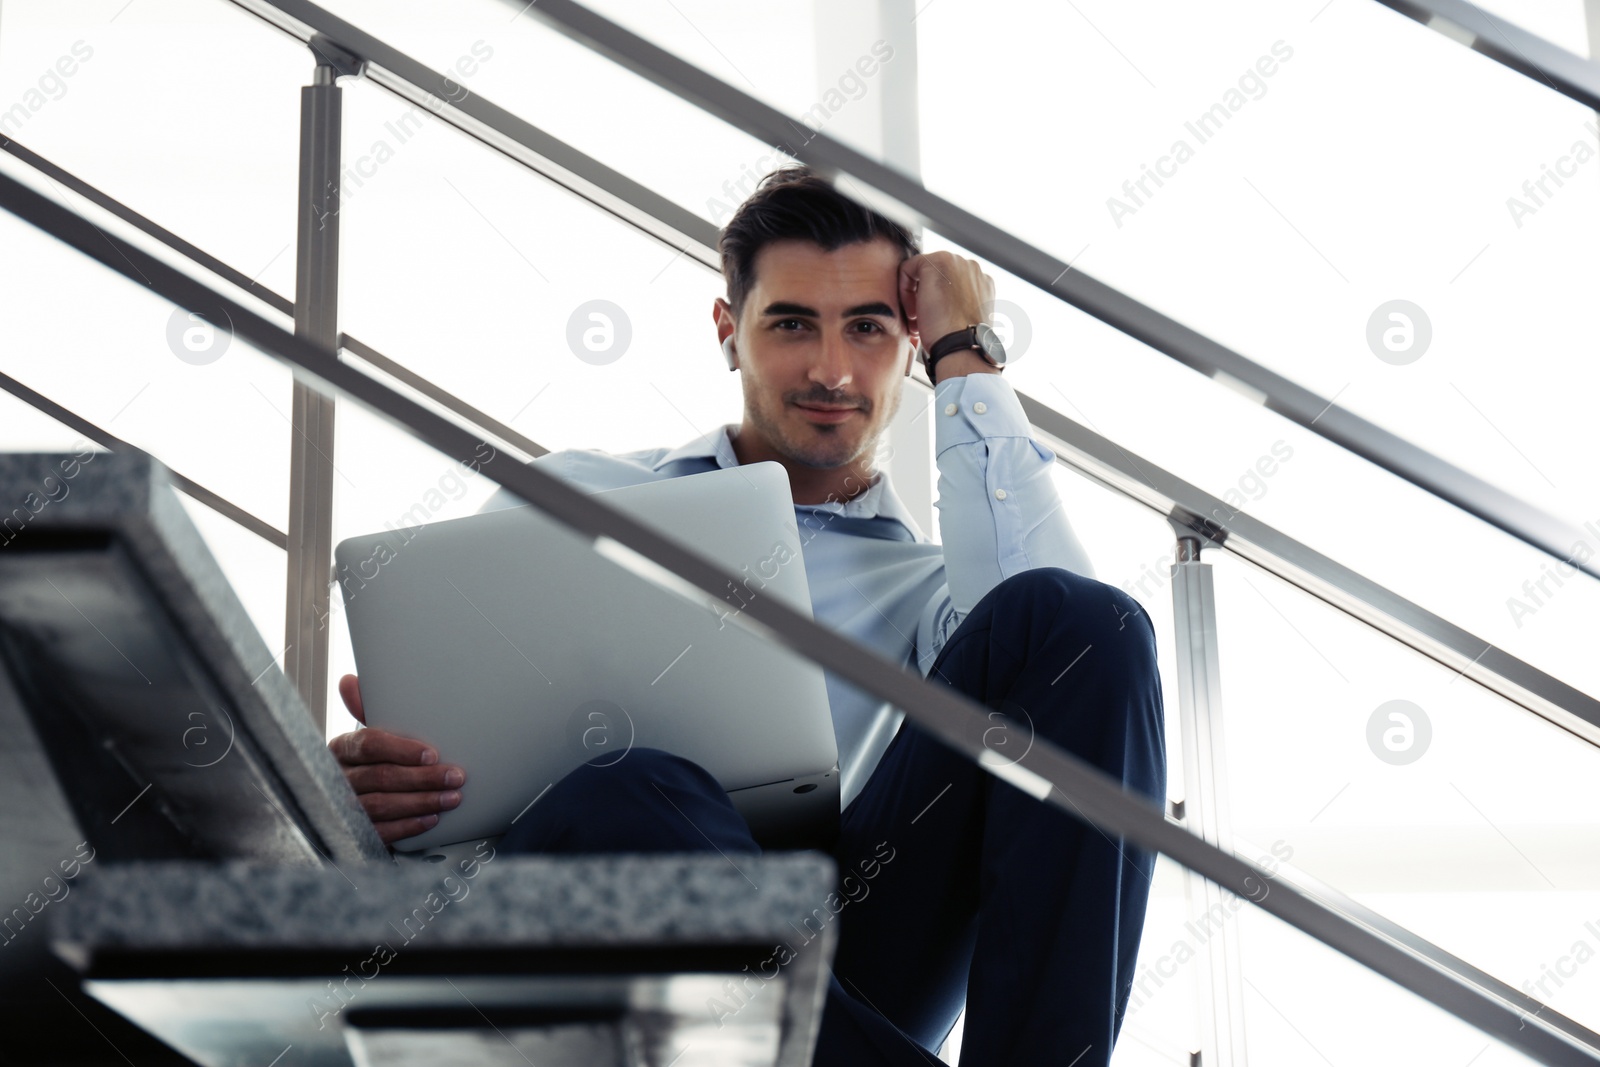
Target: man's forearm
{"x":999,"y":509}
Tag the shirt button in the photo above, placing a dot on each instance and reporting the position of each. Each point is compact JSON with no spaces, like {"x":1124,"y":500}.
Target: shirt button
{"x":979,"y":408}
{"x":999,"y":494}
{"x":949,"y":409}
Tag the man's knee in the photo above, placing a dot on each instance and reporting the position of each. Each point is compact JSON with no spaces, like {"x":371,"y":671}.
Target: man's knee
{"x":645,"y":800}
{"x":1098,"y":643}
{"x":636,"y":774}
{"x":1094,"y":612}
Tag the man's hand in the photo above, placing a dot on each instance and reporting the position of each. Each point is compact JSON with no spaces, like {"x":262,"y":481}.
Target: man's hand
{"x":941,"y":293}
{"x":399,"y":781}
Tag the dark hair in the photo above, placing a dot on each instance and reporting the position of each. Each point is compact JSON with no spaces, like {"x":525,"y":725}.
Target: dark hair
{"x":792,"y":202}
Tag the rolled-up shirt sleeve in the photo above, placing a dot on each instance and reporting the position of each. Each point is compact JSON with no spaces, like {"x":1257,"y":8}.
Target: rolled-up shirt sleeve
{"x":999,"y":510}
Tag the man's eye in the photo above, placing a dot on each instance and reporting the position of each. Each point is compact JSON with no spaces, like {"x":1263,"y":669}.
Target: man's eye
{"x":875,"y":328}
{"x":781,"y":323}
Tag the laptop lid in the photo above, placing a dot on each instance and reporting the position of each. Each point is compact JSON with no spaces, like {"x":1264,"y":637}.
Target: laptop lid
{"x":520,"y":652}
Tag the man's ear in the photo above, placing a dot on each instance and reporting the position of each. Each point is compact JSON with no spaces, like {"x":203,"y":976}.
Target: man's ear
{"x":722,"y":313}
{"x":720,"y":309}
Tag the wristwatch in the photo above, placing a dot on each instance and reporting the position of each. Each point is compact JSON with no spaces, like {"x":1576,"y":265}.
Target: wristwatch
{"x":979,"y":336}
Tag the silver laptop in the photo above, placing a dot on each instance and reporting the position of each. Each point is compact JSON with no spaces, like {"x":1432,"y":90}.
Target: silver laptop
{"x":521,"y":652}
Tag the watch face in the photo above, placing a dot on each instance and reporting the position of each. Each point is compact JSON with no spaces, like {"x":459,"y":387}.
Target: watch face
{"x":989,"y":341}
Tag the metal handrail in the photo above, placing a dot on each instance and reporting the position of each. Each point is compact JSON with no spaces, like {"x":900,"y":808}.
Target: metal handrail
{"x":1056,"y":776}
{"x":1509,"y":45}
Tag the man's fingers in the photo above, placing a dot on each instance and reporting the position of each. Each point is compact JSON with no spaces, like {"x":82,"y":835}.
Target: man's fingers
{"x":394,"y":778}
{"x":399,"y":829}
{"x":380,"y":746}
{"x":908,"y":287}
{"x":385,"y":807}
{"x":350,"y":693}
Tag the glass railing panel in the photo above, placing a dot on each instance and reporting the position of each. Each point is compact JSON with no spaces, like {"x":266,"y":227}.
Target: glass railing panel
{"x":256,"y":571}
{"x":1276,"y":471}
{"x":625,"y":122}
{"x":24,"y":428}
{"x":214,"y":423}
{"x":526,"y":302}
{"x":183,"y":389}
{"x":1395,"y":781}
{"x":804,"y":59}
{"x":187,"y":111}
{"x":1311,"y":201}
{"x":1308,"y":1005}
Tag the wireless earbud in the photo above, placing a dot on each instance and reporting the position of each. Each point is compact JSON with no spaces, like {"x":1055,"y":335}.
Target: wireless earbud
{"x":727,"y":352}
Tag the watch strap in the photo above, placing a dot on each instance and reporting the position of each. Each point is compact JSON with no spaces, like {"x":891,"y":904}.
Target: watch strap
{"x":955,"y":341}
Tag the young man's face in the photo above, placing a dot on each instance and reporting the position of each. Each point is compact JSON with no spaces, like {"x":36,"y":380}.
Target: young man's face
{"x":822,"y":330}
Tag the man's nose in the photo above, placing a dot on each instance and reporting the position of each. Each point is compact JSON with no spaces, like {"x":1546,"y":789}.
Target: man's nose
{"x":832,"y":368}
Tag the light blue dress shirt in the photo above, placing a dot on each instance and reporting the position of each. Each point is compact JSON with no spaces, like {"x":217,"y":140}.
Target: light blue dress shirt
{"x":874,"y":575}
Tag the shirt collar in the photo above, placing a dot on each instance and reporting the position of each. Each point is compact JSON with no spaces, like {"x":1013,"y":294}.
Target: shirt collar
{"x":879,"y":500}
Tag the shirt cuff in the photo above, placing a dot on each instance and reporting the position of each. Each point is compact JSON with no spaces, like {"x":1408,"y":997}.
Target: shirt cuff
{"x":972,"y":407}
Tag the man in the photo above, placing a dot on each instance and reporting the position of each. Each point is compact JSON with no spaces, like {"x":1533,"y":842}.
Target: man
{"x":974,"y":892}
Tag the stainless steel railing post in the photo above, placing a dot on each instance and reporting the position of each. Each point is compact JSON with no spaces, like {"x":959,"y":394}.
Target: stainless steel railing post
{"x":1205,"y":801}
{"x":316,"y":320}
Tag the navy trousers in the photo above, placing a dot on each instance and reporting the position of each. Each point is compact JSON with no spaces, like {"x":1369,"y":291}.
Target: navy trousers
{"x":956,"y":887}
